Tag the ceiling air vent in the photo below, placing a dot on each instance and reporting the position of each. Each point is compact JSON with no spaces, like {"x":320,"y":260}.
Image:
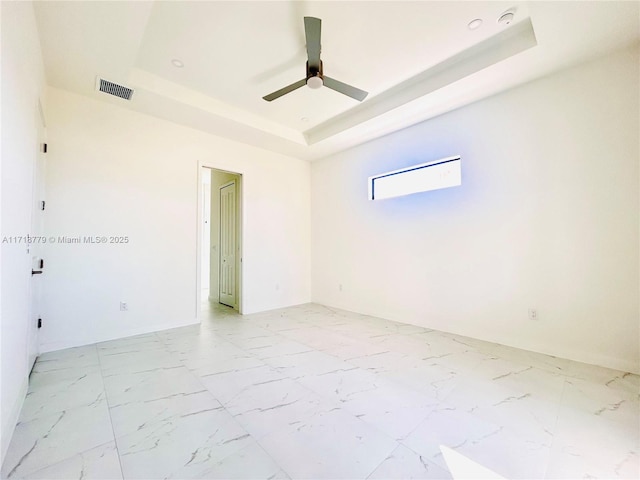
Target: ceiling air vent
{"x":114,"y":89}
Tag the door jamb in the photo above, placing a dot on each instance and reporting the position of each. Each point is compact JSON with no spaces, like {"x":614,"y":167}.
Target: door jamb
{"x":211,"y":165}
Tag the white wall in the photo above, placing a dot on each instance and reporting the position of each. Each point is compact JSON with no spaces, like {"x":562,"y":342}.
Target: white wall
{"x":22,"y":84}
{"x":547,"y":217}
{"x":114,"y":172}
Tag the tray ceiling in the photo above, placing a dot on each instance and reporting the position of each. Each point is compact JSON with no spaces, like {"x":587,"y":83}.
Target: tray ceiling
{"x":416,"y":60}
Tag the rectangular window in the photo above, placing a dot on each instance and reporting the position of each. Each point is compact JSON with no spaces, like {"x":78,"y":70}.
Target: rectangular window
{"x":443,"y":173}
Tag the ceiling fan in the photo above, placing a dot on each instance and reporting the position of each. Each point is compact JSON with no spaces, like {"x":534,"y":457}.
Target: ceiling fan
{"x":315,"y":77}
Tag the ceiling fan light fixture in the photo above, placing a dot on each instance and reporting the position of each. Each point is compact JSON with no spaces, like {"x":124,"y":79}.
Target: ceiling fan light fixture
{"x":314,"y":82}
{"x":314,"y":78}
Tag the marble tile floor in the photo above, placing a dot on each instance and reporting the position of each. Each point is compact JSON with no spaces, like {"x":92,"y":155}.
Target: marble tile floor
{"x":311,"y":392}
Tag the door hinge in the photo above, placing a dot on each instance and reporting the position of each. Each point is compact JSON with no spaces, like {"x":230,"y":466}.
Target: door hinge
{"x":39,"y":323}
{"x":42,"y":204}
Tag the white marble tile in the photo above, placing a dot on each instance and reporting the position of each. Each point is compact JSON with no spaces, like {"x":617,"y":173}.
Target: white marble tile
{"x":248,"y":335}
{"x":496,"y":367}
{"x":357,"y":348}
{"x":136,"y":361}
{"x":341,"y":385}
{"x":279,"y":321}
{"x":461,"y":466}
{"x":602,"y":375}
{"x":134,"y":387}
{"x":615,"y":404}
{"x":591,"y":446}
{"x":385,"y":361}
{"x":497,"y":448}
{"x":199,"y":356}
{"x":431,"y":379}
{"x":224,"y":326}
{"x":264,"y":338}
{"x":362,"y":328}
{"x":48,"y":440}
{"x":221,"y":362}
{"x":265,"y":394}
{"x":532,"y":413}
{"x":310,"y":362}
{"x":418,"y":345}
{"x":182,"y":447}
{"x":201,"y":331}
{"x":251,"y":462}
{"x":626,"y":381}
{"x":148,"y":341}
{"x":317,"y":337}
{"x":407,"y":464}
{"x":99,"y":463}
{"x":68,"y":358}
{"x":525,"y":358}
{"x":131,"y":417}
{"x":194,"y":346}
{"x":391,"y":407}
{"x":275,"y":405}
{"x":396,"y":422}
{"x":331,"y":445}
{"x":533,"y":380}
{"x":190,"y":331}
{"x":225,"y":386}
{"x":439,"y":343}
{"x":460,"y":361}
{"x":509,"y":454}
{"x":278,"y":346}
{"x":447,"y":426}
{"x":54,"y":391}
{"x":317,"y":392}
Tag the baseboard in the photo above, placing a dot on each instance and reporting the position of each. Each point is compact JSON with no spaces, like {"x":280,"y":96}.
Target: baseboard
{"x":589,"y":358}
{"x":9,"y":424}
{"x":63,"y":344}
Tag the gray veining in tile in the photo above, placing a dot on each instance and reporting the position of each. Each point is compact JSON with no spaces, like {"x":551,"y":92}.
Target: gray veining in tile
{"x":311,"y":392}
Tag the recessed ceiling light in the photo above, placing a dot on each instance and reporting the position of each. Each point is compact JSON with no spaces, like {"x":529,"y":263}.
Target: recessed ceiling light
{"x":474,"y":24}
{"x":177,"y":63}
{"x":506,"y":18}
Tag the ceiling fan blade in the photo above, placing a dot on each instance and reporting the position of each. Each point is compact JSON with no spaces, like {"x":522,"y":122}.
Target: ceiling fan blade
{"x":312,"y":27}
{"x":345,"y":89}
{"x":285,"y":90}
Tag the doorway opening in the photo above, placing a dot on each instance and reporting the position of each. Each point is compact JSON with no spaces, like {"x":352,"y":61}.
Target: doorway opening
{"x":220,"y":241}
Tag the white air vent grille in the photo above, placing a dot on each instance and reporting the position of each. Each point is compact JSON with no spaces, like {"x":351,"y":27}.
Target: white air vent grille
{"x":115,"y":89}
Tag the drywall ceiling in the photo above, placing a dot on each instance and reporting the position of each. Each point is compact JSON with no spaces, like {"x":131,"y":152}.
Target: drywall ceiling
{"x":416,"y":60}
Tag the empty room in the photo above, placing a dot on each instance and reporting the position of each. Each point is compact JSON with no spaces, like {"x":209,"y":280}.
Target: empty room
{"x":320,"y":240}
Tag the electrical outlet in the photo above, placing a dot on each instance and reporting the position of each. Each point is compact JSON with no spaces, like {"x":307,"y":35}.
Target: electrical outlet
{"x":124,"y":307}
{"x":533,"y":314}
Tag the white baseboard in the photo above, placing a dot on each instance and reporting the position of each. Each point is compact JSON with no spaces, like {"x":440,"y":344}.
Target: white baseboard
{"x":79,"y":342}
{"x":9,"y":424}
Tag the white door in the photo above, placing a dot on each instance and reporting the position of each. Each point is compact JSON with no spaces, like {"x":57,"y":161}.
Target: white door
{"x":36,"y":246}
{"x":228,"y":237}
